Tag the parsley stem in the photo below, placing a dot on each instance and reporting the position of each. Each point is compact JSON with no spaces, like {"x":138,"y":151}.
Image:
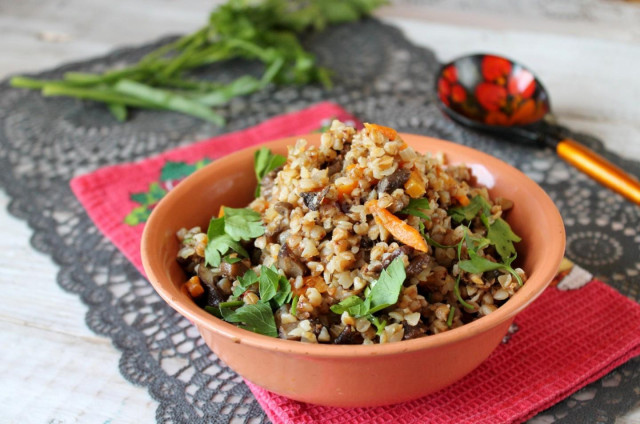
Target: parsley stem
{"x":452,"y":310}
{"x":231,"y":304}
{"x":456,"y":290}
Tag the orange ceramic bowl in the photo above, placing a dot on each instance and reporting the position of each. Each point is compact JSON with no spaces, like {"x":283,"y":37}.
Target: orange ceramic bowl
{"x":347,"y":375}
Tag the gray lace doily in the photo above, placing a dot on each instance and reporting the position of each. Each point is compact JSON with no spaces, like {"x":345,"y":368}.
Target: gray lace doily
{"x":380,"y":77}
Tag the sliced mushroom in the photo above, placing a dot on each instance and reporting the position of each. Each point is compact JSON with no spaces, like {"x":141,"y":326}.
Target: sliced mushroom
{"x":283,"y":208}
{"x":189,"y":263}
{"x":233,"y":270}
{"x":289,"y":263}
{"x":394,"y":181}
{"x":402,"y":250}
{"x":335,"y":166}
{"x":414,"y":331}
{"x":349,"y":336}
{"x":268,"y":181}
{"x":313,"y":199}
{"x":213,"y":296}
{"x":419,"y":264}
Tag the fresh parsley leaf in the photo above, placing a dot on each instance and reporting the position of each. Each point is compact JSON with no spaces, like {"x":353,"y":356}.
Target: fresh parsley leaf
{"x":386,"y":290}
{"x":231,"y":259}
{"x":225,"y":232}
{"x":226,"y":306}
{"x":355,"y":305}
{"x":264,"y":161}
{"x":245,"y":281}
{"x":502,"y":237}
{"x":379,"y":325}
{"x":415,"y":208}
{"x":257,"y":318}
{"x":477,"y":265}
{"x":213,"y":311}
{"x":216,"y":228}
{"x":475,"y":243}
{"x":284,"y":293}
{"x":269,"y":281}
{"x":467,"y":213}
{"x":219,"y":246}
{"x":242,"y":224}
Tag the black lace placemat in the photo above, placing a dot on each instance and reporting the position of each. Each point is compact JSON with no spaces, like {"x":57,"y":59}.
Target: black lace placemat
{"x":379,"y":77}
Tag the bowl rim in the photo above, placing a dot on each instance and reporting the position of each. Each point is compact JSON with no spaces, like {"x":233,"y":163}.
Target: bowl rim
{"x":539,"y":279}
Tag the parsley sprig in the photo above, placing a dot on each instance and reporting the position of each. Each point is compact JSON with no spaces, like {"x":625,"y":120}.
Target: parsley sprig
{"x":499,"y":234}
{"x":379,"y":295}
{"x":225,"y":233}
{"x":274,"y":290}
{"x":266,"y":31}
{"x":265,"y":161}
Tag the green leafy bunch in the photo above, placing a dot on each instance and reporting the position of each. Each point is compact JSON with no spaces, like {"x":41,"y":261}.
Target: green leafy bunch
{"x":274,"y":290}
{"x":264,"y":30}
{"x":499,"y":235}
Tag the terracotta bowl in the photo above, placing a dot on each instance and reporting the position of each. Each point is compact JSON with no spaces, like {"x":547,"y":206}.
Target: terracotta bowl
{"x":346,"y":375}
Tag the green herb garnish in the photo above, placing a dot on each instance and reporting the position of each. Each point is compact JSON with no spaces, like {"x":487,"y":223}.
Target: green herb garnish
{"x":477,"y":265}
{"x":456,"y":291}
{"x":262,"y":30}
{"x":379,"y":325}
{"x":467,"y":213}
{"x":452,"y":311}
{"x":499,"y":234}
{"x":383,"y":293}
{"x":416,"y":207}
{"x":244,"y":282}
{"x":354,"y":305}
{"x":257,"y":318}
{"x":386,"y":290}
{"x":429,"y":240}
{"x":274,"y":286}
{"x":225,"y":233}
{"x":242,"y":224}
{"x":502,"y":237}
{"x":264,"y":161}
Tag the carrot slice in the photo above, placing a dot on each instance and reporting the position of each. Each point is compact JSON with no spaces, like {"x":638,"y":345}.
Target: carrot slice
{"x":310,"y":281}
{"x":399,"y":229}
{"x":194,"y":287}
{"x":388,"y":132}
{"x":462,"y":199}
{"x":414,"y":185}
{"x":221,"y":211}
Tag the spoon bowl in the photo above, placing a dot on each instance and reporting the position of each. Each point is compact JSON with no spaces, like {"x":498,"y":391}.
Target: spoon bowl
{"x":492,"y":91}
{"x":496,"y":95}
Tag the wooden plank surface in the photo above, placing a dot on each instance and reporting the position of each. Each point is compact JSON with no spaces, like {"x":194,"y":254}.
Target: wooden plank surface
{"x":55,"y":369}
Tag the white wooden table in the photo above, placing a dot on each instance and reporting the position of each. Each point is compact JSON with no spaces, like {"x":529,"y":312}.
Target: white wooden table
{"x":55,"y":370}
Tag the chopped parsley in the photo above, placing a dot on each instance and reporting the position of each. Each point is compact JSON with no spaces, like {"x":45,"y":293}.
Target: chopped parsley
{"x":257,"y":318}
{"x":416,"y":207}
{"x":264,"y":161}
{"x":225,"y":233}
{"x":383,"y":293}
{"x":467,"y":213}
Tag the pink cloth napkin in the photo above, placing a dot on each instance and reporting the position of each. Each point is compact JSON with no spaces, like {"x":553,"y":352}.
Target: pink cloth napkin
{"x":575,"y":333}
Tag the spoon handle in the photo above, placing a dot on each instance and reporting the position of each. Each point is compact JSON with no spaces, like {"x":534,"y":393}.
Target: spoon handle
{"x":600,"y":169}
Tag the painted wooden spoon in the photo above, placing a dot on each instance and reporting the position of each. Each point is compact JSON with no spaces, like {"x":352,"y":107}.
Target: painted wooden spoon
{"x":497,"y":95}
